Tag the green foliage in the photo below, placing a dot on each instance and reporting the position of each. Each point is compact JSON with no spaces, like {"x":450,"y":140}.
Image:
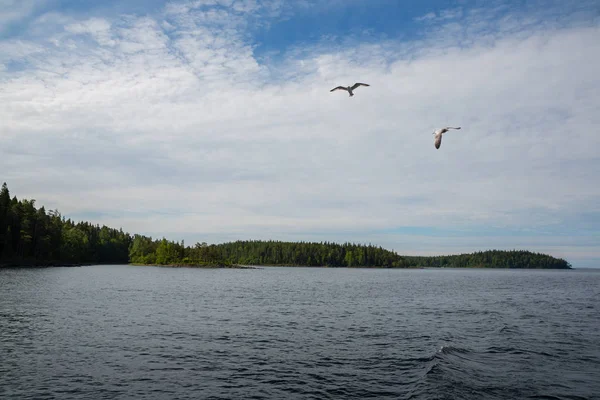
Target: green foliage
{"x":142,"y":249}
{"x":75,"y":244}
{"x":491,"y":259}
{"x":163,"y":252}
{"x":34,"y":236}
{"x":167,"y":252}
{"x":5,"y":233}
{"x":308,"y":254}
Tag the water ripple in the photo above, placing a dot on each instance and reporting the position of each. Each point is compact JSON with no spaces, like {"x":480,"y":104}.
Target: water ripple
{"x":135,"y":332}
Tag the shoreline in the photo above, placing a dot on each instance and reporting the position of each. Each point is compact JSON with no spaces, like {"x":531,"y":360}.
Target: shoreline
{"x":48,"y":264}
{"x":233,"y":266}
{"x":51,"y":264}
{"x":262,"y":266}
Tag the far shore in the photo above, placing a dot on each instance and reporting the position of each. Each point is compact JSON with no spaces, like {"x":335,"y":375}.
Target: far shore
{"x":233,"y":266}
{"x":260,"y":266}
{"x":43,"y":264}
{"x":241,"y":266}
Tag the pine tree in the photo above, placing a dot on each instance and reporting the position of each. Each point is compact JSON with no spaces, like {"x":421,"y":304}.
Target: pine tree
{"x":4,"y":205}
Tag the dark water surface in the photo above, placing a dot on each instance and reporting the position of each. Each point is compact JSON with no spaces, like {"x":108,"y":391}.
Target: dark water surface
{"x":117,"y":332}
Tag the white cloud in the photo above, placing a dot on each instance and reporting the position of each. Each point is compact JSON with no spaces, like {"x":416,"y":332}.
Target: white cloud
{"x":12,"y":11}
{"x":98,"y":28}
{"x":441,"y":16}
{"x":174,"y":112}
{"x":427,"y":17}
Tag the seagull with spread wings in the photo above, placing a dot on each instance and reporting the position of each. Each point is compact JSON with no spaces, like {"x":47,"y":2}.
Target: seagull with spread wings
{"x":349,"y":89}
{"x":438,"y":135}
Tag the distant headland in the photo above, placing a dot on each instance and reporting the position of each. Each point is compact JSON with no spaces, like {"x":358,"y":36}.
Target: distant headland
{"x":31,"y":236}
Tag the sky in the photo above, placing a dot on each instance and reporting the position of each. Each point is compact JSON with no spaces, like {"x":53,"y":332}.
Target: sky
{"x":212,"y":120}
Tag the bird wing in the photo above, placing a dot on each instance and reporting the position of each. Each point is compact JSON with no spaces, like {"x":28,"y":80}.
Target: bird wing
{"x":449,"y":127}
{"x":357,"y":84}
{"x":338,"y":88}
{"x":438,"y":140}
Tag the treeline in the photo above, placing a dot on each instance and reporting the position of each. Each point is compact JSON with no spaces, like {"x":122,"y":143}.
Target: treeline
{"x":258,"y":252}
{"x":34,"y":236}
{"x":491,"y":259}
{"x":144,"y":250}
{"x":31,"y":236}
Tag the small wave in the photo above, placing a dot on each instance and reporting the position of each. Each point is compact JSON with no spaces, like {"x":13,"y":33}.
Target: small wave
{"x":453,"y":350}
{"x":550,"y":397}
{"x":515,"y":350}
{"x":509,"y":329}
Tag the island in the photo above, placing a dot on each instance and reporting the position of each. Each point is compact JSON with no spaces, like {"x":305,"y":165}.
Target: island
{"x":31,"y":236}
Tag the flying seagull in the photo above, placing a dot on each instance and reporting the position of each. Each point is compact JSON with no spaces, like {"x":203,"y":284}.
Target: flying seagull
{"x":438,"y":135}
{"x":349,"y":89}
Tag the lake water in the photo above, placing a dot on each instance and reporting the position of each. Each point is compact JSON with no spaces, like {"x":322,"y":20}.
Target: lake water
{"x":117,"y":332}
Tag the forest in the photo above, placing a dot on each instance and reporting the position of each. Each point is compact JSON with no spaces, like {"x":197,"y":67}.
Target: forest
{"x":34,"y":236}
{"x":144,"y":250}
{"x":490,"y":259}
{"x":31,"y":236}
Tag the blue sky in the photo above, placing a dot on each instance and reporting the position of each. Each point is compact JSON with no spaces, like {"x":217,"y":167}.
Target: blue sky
{"x":211,"y":120}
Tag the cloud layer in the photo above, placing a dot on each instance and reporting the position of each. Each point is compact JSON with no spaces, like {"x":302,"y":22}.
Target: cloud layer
{"x":170,"y":124}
